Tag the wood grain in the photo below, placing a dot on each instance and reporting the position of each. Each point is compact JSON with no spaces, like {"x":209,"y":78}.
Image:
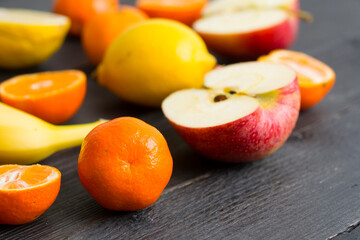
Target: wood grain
{"x":309,"y":189}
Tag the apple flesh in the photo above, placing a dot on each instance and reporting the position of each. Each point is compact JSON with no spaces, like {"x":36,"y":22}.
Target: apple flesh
{"x":248,"y":34}
{"x":246,"y":112}
{"x":228,"y":6}
{"x":247,"y":29}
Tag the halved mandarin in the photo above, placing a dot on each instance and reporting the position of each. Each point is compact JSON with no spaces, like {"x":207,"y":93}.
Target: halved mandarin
{"x":26,"y":192}
{"x":52,"y":96}
{"x":315,"y":77}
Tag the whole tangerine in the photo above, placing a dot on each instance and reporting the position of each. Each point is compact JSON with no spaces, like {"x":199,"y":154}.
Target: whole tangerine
{"x":103,"y":29}
{"x":81,"y":11}
{"x":125,"y":164}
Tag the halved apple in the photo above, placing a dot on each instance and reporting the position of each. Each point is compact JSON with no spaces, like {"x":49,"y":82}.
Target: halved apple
{"x":246,"y":112}
{"x":248,"y":34}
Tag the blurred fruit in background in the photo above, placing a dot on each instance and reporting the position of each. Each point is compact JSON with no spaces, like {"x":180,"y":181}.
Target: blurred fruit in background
{"x":316,"y":78}
{"x":52,"y":96}
{"x":153,"y":59}
{"x":245,"y":30}
{"x":29,"y":37}
{"x":229,"y":6}
{"x":185,"y":11}
{"x":26,"y":192}
{"x":103,"y":29}
{"x":81,"y":11}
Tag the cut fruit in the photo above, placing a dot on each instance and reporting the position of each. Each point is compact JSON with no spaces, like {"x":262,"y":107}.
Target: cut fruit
{"x":247,"y":111}
{"x":196,"y":108}
{"x":29,"y":37}
{"x":248,"y":34}
{"x":316,"y":78}
{"x":230,"y":6}
{"x":245,"y":21}
{"x":52,"y":96}
{"x":250,"y":78}
{"x":185,"y":11}
{"x":26,"y":192}
{"x":31,"y":17}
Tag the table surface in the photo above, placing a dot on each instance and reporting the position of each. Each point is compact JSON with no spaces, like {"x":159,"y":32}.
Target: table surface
{"x":308,"y":189}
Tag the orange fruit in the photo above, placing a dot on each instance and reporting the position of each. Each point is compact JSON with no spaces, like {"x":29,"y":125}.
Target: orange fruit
{"x":52,"y":96}
{"x":185,"y":11}
{"x":80,"y":11}
{"x":26,"y":192}
{"x":315,"y":77}
{"x":125,"y":164}
{"x":103,"y":29}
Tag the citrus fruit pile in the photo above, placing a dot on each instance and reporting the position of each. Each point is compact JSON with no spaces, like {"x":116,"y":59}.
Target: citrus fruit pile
{"x":235,"y":113}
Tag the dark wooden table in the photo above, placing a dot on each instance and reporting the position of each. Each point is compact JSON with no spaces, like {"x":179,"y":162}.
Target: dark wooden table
{"x":309,"y":189}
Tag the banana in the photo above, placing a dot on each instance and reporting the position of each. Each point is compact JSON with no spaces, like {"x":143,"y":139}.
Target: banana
{"x":25,"y":139}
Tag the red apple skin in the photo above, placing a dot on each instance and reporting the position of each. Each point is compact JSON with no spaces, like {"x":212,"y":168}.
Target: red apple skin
{"x":253,"y":44}
{"x":252,"y":137}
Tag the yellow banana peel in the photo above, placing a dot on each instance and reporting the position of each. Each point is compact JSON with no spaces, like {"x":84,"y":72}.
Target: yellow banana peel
{"x":25,"y":139}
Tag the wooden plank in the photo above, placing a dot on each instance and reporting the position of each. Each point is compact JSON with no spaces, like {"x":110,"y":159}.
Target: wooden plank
{"x":306,"y":190}
{"x":351,"y":233}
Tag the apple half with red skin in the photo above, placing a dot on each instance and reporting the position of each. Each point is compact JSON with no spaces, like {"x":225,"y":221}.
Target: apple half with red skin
{"x":249,"y":32}
{"x":246,"y":112}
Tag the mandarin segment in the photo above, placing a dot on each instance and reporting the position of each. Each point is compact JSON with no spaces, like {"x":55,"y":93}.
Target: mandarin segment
{"x":125,"y":164}
{"x":26,"y":192}
{"x":52,"y":96}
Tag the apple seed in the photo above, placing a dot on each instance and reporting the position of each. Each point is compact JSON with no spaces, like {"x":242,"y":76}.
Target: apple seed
{"x":219,"y":98}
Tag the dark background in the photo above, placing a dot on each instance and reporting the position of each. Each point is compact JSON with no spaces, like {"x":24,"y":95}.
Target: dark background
{"x":308,"y":189}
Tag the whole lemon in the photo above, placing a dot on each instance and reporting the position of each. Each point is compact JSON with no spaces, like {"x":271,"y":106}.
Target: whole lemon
{"x":153,"y":59}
